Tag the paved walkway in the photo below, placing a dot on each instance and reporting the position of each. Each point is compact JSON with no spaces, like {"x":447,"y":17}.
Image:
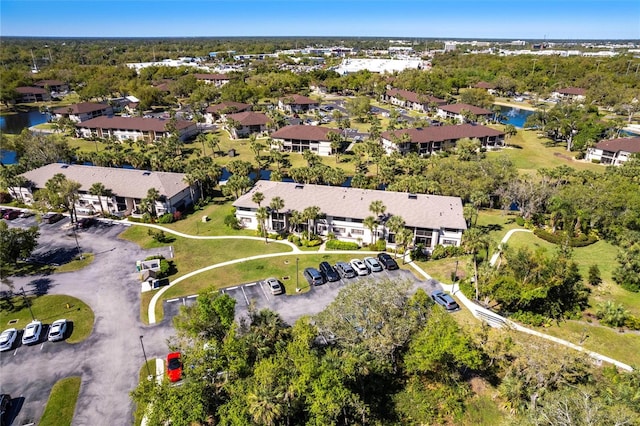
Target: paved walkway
{"x":478,"y":311}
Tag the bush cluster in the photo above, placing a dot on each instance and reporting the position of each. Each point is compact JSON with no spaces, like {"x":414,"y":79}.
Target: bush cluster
{"x":581,"y":240}
{"x":342,"y":245}
{"x":166,"y":218}
{"x":380,"y":245}
{"x":441,"y":252}
{"x":303,"y":242}
{"x":530,"y":318}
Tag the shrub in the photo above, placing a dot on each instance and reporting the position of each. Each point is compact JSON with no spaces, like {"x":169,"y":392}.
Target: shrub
{"x":581,"y":240}
{"x":232,"y":221}
{"x":380,"y":245}
{"x":632,"y":322}
{"x":611,"y":314}
{"x":520,"y":220}
{"x":166,"y":218}
{"x":594,"y":275}
{"x":439,"y":252}
{"x":331,"y":236}
{"x":294,"y":239}
{"x":419,"y":253}
{"x":311,"y":243}
{"x":595,"y":161}
{"x":580,"y":155}
{"x":160,"y":236}
{"x":177,"y":216}
{"x":530,"y":318}
{"x":342,"y":245}
{"x":134,"y":219}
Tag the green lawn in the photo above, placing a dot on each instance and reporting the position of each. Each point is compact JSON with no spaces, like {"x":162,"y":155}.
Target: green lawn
{"x":624,"y":347}
{"x":530,"y":153}
{"x":76,"y":264}
{"x":62,"y":402}
{"x":47,"y":309}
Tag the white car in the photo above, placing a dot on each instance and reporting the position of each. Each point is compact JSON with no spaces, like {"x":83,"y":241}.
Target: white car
{"x":32,"y":333}
{"x":57,"y":330}
{"x":360,"y":267}
{"x":373,"y":264}
{"x":7,"y":338}
{"x":274,"y":286}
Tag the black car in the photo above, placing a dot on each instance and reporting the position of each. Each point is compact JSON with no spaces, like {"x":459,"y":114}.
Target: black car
{"x":387,"y":261}
{"x":85,"y":222}
{"x":5,"y":408}
{"x":328,"y":271}
{"x":51,"y":217}
{"x":313,"y":276}
{"x":345,"y":270}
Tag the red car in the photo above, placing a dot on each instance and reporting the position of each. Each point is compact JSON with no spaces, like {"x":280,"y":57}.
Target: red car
{"x":174,"y":366}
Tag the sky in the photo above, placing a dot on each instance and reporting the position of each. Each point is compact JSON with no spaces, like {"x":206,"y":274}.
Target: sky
{"x":476,"y":19}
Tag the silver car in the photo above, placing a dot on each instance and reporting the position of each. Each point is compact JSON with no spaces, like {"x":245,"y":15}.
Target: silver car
{"x":7,"y":338}
{"x":359,"y":266}
{"x":373,"y":264}
{"x":32,"y":333}
{"x":274,"y":286}
{"x":57,"y":330}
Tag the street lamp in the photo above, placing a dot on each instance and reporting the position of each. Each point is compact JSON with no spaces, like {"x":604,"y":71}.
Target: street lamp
{"x":28,"y":304}
{"x":73,"y":228}
{"x":455,"y":278}
{"x":297,"y":276}
{"x":146,"y":362}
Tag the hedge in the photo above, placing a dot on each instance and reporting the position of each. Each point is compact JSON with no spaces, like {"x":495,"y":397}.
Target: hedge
{"x":342,"y":245}
{"x":581,"y":240}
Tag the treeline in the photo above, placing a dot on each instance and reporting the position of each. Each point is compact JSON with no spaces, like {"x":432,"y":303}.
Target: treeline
{"x":377,"y":355}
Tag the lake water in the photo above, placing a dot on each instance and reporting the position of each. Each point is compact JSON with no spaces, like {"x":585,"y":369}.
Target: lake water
{"x":515,"y":116}
{"x":14,"y":123}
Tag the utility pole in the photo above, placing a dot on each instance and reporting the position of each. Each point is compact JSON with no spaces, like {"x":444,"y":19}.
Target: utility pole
{"x":533,"y":68}
{"x":146,"y":362}
{"x":24,"y":295}
{"x":628,"y":67}
{"x":297,"y":275}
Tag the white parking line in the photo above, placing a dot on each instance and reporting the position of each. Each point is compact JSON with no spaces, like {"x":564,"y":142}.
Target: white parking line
{"x":192,"y":296}
{"x":230,"y":288}
{"x":173,"y":300}
{"x":15,"y":352}
{"x":245,"y":295}
{"x":263,"y":291}
{"x":250,"y":284}
{"x":41,"y":345}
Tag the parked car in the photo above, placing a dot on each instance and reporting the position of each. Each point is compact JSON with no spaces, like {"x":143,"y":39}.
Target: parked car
{"x":51,"y":217}
{"x":11,"y":214}
{"x":85,"y":222}
{"x":7,"y":339}
{"x":445,"y":300}
{"x":274,"y":286}
{"x":174,"y":366}
{"x":329,"y":272}
{"x":32,"y":333}
{"x":387,"y":261}
{"x":27,"y":213}
{"x":359,"y":266}
{"x":5,"y":407}
{"x":373,"y":264}
{"x":57,"y":330}
{"x":345,"y":270}
{"x":313,"y":276}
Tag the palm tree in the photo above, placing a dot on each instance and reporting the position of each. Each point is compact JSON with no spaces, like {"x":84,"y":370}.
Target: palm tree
{"x":371,"y":223}
{"x":153,"y":195}
{"x":262,"y":214}
{"x":264,"y":407}
{"x":403,"y":238}
{"x":257,"y":198}
{"x":395,"y":224}
{"x":311,"y":213}
{"x":276,"y":205}
{"x":99,"y":189}
{"x":475,"y":240}
{"x":336,"y":143}
{"x":214,"y":142}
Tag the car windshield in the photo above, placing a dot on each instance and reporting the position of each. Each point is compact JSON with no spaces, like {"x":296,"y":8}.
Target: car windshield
{"x":174,"y":364}
{"x":5,"y":336}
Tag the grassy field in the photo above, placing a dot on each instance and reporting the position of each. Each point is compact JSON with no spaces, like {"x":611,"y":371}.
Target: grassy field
{"x":530,"y":153}
{"x":62,"y":402}
{"x":47,"y":309}
{"x":76,"y":264}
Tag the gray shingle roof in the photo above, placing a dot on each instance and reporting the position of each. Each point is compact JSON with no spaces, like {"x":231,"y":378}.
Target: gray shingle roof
{"x":249,"y":118}
{"x":425,"y":211}
{"x":304,"y":133}
{"x":123,"y":182}
{"x":457,"y":109}
{"x":133,"y":123}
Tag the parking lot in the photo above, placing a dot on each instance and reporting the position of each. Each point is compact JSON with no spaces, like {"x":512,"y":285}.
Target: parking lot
{"x":292,"y":306}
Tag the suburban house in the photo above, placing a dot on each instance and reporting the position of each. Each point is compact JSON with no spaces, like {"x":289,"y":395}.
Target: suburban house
{"x":218,"y":80}
{"x":614,"y":151}
{"x":134,"y":128}
{"x":411,"y":100}
{"x":428,"y":140}
{"x":299,"y":138}
{"x":456,"y":112}
{"x":83,"y":111}
{"x":434,"y":219}
{"x":246,"y":123}
{"x":127,"y":188}
{"x":573,"y":94}
{"x":297,"y":104}
{"x":52,"y":85}
{"x":32,"y":94}
{"x":213,"y":112}
{"x":489,"y":87}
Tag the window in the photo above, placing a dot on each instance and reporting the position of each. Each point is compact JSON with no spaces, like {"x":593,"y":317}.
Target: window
{"x":355,"y":231}
{"x":449,"y":242}
{"x":340,"y":218}
{"x":339,"y":230}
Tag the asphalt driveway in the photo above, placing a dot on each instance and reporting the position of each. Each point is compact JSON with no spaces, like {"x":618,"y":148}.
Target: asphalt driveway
{"x":109,"y":360}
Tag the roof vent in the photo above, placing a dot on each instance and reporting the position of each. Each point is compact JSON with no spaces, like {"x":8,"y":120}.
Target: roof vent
{"x":413,"y":196}
{"x":146,"y":173}
{"x":298,"y":186}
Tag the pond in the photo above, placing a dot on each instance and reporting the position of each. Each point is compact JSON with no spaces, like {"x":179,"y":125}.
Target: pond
{"x":15,"y":122}
{"x":514,"y":116}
